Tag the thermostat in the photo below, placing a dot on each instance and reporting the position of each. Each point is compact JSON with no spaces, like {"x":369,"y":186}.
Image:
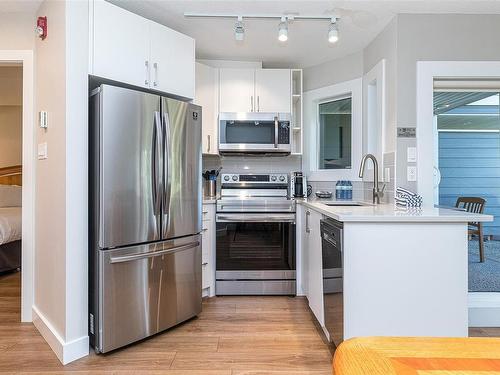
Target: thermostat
{"x":44,"y":119}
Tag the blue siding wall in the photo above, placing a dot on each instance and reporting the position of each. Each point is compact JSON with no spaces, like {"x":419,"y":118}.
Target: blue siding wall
{"x":470,"y":166}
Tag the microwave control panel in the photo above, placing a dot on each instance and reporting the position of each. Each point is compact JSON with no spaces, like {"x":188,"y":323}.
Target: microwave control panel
{"x":284,"y":133}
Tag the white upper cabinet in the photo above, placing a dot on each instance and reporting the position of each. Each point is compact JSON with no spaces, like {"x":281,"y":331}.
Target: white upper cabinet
{"x":255,"y":90}
{"x":237,"y":90}
{"x":173,"y":60}
{"x":121,"y":45}
{"x":273,"y":90}
{"x":131,"y":49}
{"x":206,"y":96}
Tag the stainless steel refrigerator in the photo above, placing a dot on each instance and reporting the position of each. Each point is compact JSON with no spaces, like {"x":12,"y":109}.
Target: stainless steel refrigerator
{"x":145,"y":215}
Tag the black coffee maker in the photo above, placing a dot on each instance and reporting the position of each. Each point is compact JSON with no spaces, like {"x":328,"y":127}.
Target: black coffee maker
{"x":298,"y":185}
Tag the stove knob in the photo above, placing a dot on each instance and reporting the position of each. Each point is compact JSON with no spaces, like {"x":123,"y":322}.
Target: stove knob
{"x":282,"y":178}
{"x":273,"y":178}
{"x":226,"y":178}
{"x":235,"y":178}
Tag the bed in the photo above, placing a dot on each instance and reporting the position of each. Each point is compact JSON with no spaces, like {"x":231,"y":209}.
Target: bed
{"x":10,"y":218}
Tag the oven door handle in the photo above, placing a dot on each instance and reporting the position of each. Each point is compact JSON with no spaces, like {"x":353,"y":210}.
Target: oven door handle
{"x":257,"y":218}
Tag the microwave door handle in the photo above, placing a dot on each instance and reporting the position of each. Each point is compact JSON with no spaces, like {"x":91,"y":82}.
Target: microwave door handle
{"x":276,"y":132}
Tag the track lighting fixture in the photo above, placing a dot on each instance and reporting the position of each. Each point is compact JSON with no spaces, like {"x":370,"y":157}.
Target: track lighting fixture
{"x":333,"y":31}
{"x":239,"y":30}
{"x":239,"y":27}
{"x":283,"y":30}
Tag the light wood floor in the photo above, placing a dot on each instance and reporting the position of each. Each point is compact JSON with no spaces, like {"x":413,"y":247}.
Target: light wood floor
{"x":232,"y":336}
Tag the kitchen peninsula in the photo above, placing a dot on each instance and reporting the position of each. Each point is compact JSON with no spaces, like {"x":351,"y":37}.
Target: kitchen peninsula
{"x":404,"y":272}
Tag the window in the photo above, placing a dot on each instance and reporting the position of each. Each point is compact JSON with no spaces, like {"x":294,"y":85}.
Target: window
{"x":335,"y":132}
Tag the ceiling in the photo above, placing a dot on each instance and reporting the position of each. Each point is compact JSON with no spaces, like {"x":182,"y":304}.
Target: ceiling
{"x":307,"y":45}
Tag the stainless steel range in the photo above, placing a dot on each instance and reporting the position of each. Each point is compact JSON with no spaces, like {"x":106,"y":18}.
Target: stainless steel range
{"x":255,"y":235}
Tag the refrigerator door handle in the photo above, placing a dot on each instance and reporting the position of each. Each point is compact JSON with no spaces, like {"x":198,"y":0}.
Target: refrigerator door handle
{"x":156,"y":163}
{"x":167,"y":168}
{"x":130,"y":258}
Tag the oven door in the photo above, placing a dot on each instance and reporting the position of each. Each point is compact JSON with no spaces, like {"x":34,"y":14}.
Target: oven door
{"x":255,"y":254}
{"x":255,"y":242}
{"x":254,"y":133}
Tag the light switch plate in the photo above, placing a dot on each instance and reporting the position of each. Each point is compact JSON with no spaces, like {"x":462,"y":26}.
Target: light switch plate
{"x":411,"y":173}
{"x":411,"y":153}
{"x":42,"y":151}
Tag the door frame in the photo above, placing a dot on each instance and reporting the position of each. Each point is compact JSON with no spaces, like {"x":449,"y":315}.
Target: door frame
{"x":426,"y":127}
{"x":484,"y":307}
{"x":25,"y":58}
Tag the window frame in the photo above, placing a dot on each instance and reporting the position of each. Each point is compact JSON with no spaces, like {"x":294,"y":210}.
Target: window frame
{"x":318,"y":143}
{"x":312,"y":100}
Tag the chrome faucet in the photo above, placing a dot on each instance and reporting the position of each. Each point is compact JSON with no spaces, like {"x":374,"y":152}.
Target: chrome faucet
{"x":377,"y":193}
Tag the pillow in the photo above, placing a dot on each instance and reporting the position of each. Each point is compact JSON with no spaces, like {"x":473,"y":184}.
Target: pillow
{"x":10,"y":196}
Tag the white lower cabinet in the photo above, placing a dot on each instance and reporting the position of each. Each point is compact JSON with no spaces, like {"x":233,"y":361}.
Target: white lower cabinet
{"x":208,"y":250}
{"x":312,"y":260}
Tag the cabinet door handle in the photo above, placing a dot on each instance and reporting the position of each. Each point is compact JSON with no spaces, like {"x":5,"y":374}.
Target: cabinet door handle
{"x":251,"y":104}
{"x":208,"y":139}
{"x":204,"y":264}
{"x":258,"y":103}
{"x":155,"y":81}
{"x":308,"y":230}
{"x":146,"y":81}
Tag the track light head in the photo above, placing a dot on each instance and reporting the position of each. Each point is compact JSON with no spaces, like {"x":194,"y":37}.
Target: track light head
{"x":239,"y":30}
{"x":283,"y":30}
{"x":333,"y":31}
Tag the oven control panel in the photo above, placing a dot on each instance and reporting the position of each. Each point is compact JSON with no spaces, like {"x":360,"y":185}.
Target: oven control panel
{"x":275,"y":178}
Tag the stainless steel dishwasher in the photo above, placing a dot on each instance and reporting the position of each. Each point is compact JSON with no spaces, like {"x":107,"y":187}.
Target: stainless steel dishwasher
{"x":333,"y":258}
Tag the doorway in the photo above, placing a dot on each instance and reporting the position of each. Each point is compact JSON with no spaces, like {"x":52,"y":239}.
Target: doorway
{"x":484,"y":307}
{"x":468,"y":162}
{"x":11,"y":100}
{"x":17,"y":181}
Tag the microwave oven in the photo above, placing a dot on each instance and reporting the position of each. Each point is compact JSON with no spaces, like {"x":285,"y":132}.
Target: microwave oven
{"x":254,"y":132}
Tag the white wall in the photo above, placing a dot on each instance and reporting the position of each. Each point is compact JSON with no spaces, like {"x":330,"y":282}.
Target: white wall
{"x":77,"y":13}
{"x":384,"y":46}
{"x":61,"y":189}
{"x":333,"y":72}
{"x":11,"y":113}
{"x":17,"y":31}
{"x":443,"y":37}
{"x":50,"y":236}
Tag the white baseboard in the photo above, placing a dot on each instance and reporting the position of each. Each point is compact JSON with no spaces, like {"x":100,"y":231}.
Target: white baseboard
{"x":484,"y":309}
{"x":66,"y":352}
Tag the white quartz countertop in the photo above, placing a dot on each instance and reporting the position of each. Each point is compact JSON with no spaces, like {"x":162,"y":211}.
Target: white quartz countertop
{"x":389,"y":213}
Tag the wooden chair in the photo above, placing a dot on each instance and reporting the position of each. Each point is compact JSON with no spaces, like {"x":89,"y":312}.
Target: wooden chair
{"x":474,"y":205}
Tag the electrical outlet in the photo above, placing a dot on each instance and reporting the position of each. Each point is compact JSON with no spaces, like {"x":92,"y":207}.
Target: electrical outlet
{"x":411,"y":173}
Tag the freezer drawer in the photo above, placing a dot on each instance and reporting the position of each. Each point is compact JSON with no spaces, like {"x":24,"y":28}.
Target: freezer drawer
{"x":147,"y":289}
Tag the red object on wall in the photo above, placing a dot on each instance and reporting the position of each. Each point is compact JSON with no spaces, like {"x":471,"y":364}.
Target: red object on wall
{"x":41,"y":27}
